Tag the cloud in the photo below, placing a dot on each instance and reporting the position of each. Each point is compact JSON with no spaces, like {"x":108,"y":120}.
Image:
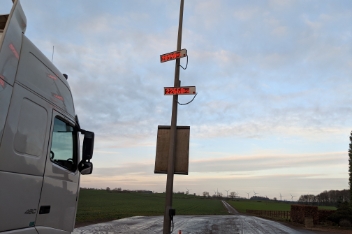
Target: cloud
{"x":268,"y":162}
{"x":125,"y":170}
{"x":272,"y":73}
{"x":246,"y":13}
{"x":240,"y":163}
{"x":268,"y":186}
{"x":114,"y":80}
{"x":281,"y":4}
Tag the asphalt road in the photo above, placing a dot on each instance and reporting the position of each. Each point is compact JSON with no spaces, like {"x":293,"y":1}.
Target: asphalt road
{"x":209,"y":224}
{"x":229,"y":208}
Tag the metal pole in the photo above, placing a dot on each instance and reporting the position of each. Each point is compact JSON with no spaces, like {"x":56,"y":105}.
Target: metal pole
{"x":172,"y":149}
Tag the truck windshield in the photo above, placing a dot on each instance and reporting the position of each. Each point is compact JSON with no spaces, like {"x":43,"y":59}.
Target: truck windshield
{"x":63,"y":144}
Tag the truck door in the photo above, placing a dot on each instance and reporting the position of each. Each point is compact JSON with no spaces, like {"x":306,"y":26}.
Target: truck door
{"x":58,"y":201}
{"x":23,"y":151}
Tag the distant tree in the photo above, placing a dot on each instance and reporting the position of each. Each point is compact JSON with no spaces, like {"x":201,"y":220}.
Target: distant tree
{"x":275,"y":199}
{"x":328,"y":198}
{"x":233,"y":195}
{"x":206,"y":194}
{"x":107,"y":189}
{"x":350,"y":168}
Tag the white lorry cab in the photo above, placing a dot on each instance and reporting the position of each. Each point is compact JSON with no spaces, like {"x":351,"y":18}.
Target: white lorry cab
{"x":40,"y":162}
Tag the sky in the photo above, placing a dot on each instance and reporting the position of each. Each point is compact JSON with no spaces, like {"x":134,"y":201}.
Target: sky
{"x":273,"y":112}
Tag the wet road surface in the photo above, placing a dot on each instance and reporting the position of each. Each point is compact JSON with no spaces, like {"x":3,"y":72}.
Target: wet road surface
{"x":209,"y":224}
{"x":229,"y":208}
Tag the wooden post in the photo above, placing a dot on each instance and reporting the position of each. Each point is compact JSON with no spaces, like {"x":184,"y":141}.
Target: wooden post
{"x":173,"y":132}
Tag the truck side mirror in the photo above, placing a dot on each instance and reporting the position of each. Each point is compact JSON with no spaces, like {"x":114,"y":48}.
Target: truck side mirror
{"x":88,"y":146}
{"x":85,"y":168}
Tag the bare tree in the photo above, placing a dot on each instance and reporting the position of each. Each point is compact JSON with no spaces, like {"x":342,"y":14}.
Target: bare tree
{"x":233,"y":195}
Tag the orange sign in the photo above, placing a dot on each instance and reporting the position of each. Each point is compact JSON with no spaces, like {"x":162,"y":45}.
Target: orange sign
{"x":187,"y":90}
{"x":173,"y":55}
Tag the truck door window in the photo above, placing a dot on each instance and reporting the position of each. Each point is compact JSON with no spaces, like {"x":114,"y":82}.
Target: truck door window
{"x":63,"y":145}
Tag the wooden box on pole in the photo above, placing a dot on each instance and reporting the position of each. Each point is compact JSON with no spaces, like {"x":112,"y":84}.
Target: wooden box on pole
{"x":163,"y":146}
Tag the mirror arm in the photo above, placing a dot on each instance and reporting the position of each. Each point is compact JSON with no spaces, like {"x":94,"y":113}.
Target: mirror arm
{"x":82,"y":131}
{"x":78,"y":126}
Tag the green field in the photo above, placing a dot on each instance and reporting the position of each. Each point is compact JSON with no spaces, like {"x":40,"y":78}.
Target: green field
{"x":100,"y":205}
{"x":243,"y":205}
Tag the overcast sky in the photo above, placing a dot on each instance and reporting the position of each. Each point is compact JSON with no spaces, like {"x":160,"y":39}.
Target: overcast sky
{"x":273,"y":112}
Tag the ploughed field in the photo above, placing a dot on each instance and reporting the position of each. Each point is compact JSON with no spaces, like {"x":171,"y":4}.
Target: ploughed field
{"x":95,"y":206}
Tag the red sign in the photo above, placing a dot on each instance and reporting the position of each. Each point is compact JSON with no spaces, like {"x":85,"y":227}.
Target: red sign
{"x":187,"y":90}
{"x":173,"y":55}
